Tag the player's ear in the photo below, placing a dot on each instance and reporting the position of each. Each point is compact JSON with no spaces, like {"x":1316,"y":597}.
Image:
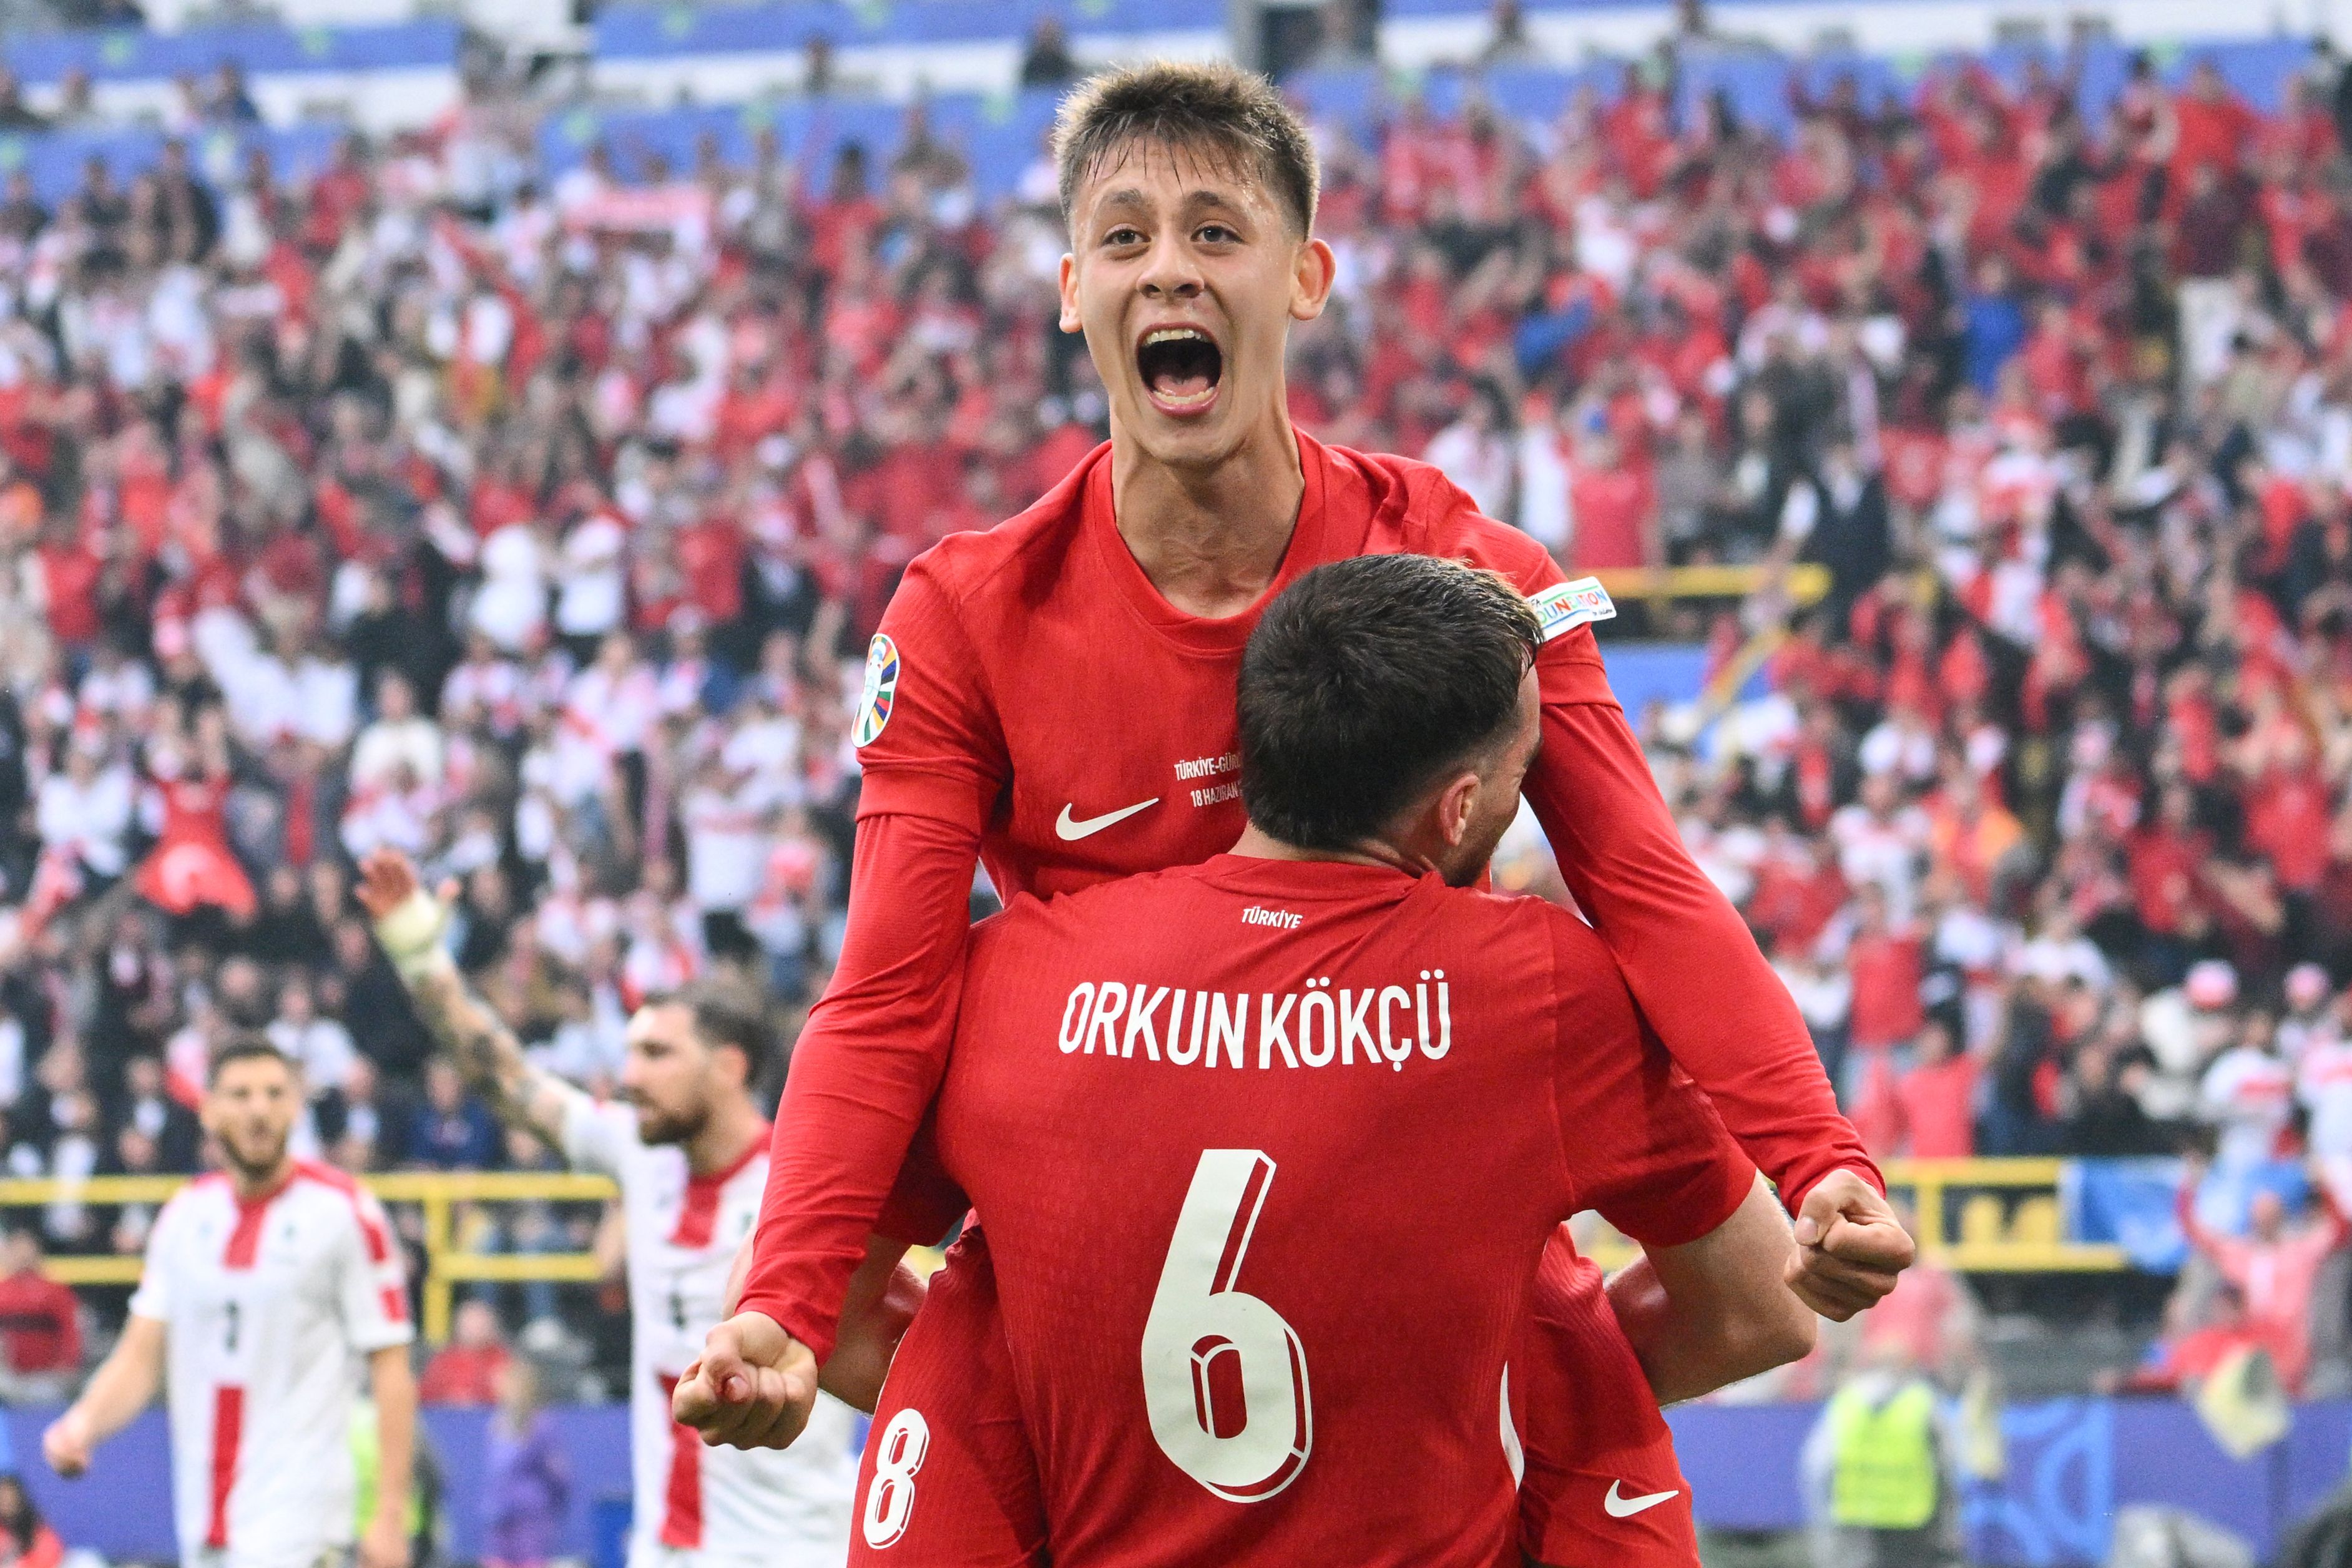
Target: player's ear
{"x":1071,"y":321}
{"x":1455,"y":805}
{"x":1312,"y":271}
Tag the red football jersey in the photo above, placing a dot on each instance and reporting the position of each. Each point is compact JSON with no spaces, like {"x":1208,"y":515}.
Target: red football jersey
{"x":1031,"y":697}
{"x":1241,"y":1132}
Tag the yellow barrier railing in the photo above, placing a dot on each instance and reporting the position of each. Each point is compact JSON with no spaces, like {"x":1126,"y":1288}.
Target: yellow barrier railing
{"x":1806,"y":582}
{"x":436,"y":1193}
{"x":1977,"y":1217}
{"x":1974,"y":1215}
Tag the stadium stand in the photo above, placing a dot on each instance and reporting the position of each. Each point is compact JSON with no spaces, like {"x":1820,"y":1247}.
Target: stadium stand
{"x":736,"y":53}
{"x":518,"y":487}
{"x":390,"y":75}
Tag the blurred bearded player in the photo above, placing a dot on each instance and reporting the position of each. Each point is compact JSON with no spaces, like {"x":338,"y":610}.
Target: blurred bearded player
{"x":1127,"y":594}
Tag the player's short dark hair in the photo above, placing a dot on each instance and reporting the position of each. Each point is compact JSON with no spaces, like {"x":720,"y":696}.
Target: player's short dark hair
{"x":1208,"y":107}
{"x":1367,"y":678}
{"x":726,"y":1013}
{"x":243,"y":1049}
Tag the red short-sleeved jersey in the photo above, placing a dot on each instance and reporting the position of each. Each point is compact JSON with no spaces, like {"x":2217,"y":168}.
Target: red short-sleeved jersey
{"x":1240,"y":1131}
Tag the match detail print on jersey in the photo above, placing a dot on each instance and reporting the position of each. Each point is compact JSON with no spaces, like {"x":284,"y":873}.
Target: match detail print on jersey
{"x":1070,"y":830}
{"x":1565,"y":606}
{"x":881,"y":688}
{"x":1224,"y":1377}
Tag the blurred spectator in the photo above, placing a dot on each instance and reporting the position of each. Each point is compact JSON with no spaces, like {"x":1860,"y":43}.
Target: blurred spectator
{"x":469,"y":1368}
{"x":321,"y":1047}
{"x":1882,"y":1469}
{"x":527,"y":1493}
{"x":1936,"y":1099}
{"x":1046,"y":60}
{"x":40,"y":1325}
{"x":15,"y":114}
{"x":25,"y":1537}
{"x":229,"y":102}
{"x":2201,"y":1334}
{"x":2249,"y":1095}
{"x":2273,"y":1267}
{"x":1347,"y":36}
{"x":1508,"y":44}
{"x":453,"y":1130}
{"x":149,"y":1109}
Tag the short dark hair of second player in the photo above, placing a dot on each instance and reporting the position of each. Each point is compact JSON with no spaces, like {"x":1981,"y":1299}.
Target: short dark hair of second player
{"x":245,"y":1048}
{"x":1365,"y":680}
{"x":725,"y":1014}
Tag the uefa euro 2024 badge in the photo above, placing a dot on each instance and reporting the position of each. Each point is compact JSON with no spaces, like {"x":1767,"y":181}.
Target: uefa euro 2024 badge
{"x":881,"y":688}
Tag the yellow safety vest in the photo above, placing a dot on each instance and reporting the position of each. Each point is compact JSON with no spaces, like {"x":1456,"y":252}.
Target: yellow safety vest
{"x":1885,"y":1476}
{"x":367,"y":1461}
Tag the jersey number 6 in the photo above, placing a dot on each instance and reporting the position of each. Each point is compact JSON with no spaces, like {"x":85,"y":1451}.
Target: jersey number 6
{"x":1224,"y":1378}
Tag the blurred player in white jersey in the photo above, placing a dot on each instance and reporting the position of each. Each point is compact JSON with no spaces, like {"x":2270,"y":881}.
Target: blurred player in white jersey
{"x":264,"y":1286}
{"x":689,"y":1150}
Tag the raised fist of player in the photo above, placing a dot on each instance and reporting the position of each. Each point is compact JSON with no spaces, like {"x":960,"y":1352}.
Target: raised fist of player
{"x":1850,"y":1248}
{"x":408,"y":920}
{"x":753,"y":1388}
{"x":67,"y":1443}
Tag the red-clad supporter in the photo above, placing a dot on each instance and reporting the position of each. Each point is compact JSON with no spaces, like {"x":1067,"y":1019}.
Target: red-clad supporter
{"x":2274,"y":1267}
{"x":466,"y":1370}
{"x":40,"y":1319}
{"x":1886,"y":961}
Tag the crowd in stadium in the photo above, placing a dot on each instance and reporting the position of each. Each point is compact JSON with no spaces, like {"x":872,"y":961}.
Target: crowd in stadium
{"x":535,"y":528}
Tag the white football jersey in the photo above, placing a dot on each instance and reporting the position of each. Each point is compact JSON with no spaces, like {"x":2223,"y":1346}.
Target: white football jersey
{"x":782,"y":1509}
{"x":267,"y":1308}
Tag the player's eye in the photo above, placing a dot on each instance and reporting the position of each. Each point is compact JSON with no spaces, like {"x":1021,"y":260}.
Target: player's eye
{"x":1216,"y":234}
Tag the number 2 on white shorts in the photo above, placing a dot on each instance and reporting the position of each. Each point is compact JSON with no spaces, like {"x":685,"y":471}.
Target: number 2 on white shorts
{"x":1203,"y":1333}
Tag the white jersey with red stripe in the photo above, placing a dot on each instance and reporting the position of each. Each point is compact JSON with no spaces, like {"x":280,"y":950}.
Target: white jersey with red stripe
{"x":779,"y":1509}
{"x":267,"y":1307}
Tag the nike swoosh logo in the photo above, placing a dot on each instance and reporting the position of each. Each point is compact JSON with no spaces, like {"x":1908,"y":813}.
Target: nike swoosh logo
{"x":1620,"y":1507}
{"x":1070,"y":830}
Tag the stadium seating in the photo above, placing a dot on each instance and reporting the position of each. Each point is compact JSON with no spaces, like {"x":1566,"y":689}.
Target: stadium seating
{"x":734,"y":52}
{"x":383,"y":77}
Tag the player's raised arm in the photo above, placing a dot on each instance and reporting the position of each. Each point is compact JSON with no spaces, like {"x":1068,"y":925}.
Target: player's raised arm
{"x":871,"y":1057}
{"x":1739,"y":1036}
{"x":119,"y":1390}
{"x":409,"y":922}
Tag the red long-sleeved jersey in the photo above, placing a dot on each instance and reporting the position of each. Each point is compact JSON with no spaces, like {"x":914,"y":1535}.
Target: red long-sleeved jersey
{"x":1032,"y":700}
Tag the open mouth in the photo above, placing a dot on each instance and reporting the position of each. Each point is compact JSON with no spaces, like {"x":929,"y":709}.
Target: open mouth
{"x":1181,"y":367}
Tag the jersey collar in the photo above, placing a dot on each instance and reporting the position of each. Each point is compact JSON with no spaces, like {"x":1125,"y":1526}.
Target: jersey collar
{"x":1199,"y":634}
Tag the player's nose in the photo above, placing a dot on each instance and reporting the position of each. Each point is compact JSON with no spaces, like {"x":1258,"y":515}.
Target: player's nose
{"x":1170,"y":270}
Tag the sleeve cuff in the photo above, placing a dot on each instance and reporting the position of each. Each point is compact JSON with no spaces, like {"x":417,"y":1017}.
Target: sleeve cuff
{"x":794,"y":1320}
{"x":1793,"y":1194}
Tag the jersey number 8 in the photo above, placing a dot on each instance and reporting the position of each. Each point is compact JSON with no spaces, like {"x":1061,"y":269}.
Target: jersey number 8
{"x":898,"y":1455}
{"x":1224,"y":1378}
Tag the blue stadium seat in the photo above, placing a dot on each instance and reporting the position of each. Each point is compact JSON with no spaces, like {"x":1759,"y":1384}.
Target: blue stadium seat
{"x":55,"y":159}
{"x":261,"y":48}
{"x":647,"y":32}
